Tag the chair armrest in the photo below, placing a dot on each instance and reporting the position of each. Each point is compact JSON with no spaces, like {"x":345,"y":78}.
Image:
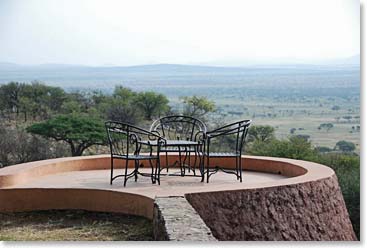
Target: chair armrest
{"x":200,"y":136}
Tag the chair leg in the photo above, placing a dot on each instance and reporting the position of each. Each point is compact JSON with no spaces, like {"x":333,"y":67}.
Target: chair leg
{"x":189,"y":161}
{"x":153,"y":175}
{"x":136,"y":170}
{"x":125,"y":178}
{"x":111,"y":171}
{"x":195,"y":159}
{"x":237,"y":170}
{"x":207,"y":170}
{"x":158,"y":165}
{"x":180,"y":158}
{"x":240,"y":161}
{"x":167,"y":161}
{"x":201,"y":167}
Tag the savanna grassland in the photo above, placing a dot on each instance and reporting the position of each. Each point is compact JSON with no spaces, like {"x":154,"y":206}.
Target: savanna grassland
{"x":304,"y":116}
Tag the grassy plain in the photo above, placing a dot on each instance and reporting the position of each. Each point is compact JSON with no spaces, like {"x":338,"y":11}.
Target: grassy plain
{"x":304,"y":114}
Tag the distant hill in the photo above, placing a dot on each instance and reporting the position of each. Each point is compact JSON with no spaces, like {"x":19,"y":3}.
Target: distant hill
{"x":176,"y":80}
{"x":348,"y":61}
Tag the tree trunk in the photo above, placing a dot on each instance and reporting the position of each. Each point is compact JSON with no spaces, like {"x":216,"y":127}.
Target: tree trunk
{"x":78,"y":151}
{"x":25,"y":116}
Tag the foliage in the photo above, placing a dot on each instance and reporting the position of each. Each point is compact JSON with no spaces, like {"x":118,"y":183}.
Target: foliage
{"x":17,"y":146}
{"x":261,"y":133}
{"x":197,"y":106}
{"x":36,"y":99}
{"x":124,"y":94}
{"x":9,"y":96}
{"x":323,"y":149}
{"x":345,"y":146}
{"x":295,"y":147}
{"x":79,"y":131}
{"x":124,"y":113}
{"x":326,"y":126}
{"x":151,"y":103}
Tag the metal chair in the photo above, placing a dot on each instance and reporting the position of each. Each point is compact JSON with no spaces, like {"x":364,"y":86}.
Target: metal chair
{"x":180,"y":127}
{"x":234,"y":133}
{"x":126,"y":142}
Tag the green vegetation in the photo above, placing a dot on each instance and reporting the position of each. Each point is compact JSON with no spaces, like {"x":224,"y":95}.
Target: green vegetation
{"x":73,"y":119}
{"x":73,"y":225}
{"x":197,"y":106}
{"x":80,"y":132}
{"x":326,"y":126}
{"x":152,"y":104}
{"x":261,"y":133}
{"x":345,"y":146}
{"x":18,"y":146}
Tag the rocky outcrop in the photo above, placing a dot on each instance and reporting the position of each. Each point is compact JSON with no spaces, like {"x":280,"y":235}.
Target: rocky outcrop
{"x":307,"y":211}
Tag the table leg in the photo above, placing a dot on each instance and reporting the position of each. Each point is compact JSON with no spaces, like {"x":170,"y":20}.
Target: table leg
{"x":181,"y":165}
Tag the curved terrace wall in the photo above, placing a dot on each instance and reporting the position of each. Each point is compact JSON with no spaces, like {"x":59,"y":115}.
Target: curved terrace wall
{"x":308,"y":205}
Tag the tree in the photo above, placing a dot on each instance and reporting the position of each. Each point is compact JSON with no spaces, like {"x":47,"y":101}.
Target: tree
{"x":124,"y":113}
{"x":71,"y":106}
{"x":295,"y":147}
{"x":18,"y":146}
{"x":327,"y":126}
{"x":80,"y":132}
{"x":77,"y":98}
{"x":261,"y":133}
{"x":323,"y":149}
{"x":348,"y":118}
{"x":303,"y":136}
{"x":9,"y":97}
{"x":123,"y":93}
{"x":151,"y":103}
{"x":336,"y":108}
{"x":197,"y":106}
{"x":345,"y":146}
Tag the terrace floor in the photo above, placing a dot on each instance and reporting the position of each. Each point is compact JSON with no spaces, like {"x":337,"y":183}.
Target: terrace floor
{"x":170,"y":185}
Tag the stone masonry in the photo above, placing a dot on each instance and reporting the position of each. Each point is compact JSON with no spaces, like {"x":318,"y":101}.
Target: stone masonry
{"x":174,"y":219}
{"x":309,"y":211}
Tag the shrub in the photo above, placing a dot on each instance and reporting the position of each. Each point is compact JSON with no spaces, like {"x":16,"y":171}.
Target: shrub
{"x":17,"y":146}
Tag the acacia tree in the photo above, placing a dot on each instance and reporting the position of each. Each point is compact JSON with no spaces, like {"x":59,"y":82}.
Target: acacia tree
{"x":80,"y":132}
{"x":261,"y":133}
{"x":345,"y":146}
{"x":151,"y":103}
{"x":197,"y":106}
{"x":327,"y":126}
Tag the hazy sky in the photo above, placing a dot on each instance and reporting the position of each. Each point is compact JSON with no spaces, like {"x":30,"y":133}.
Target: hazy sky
{"x":96,"y":32}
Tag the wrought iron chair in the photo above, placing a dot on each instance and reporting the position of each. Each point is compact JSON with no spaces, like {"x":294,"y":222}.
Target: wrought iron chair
{"x":126,"y":141}
{"x":235,"y":134}
{"x":180,"y":127}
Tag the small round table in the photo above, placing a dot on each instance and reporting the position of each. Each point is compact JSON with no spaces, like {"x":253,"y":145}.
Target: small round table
{"x":181,"y":146}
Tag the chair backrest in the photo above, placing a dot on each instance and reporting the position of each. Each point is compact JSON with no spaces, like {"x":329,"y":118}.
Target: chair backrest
{"x":238,"y":130}
{"x":179,"y":127}
{"x":124,"y":138}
